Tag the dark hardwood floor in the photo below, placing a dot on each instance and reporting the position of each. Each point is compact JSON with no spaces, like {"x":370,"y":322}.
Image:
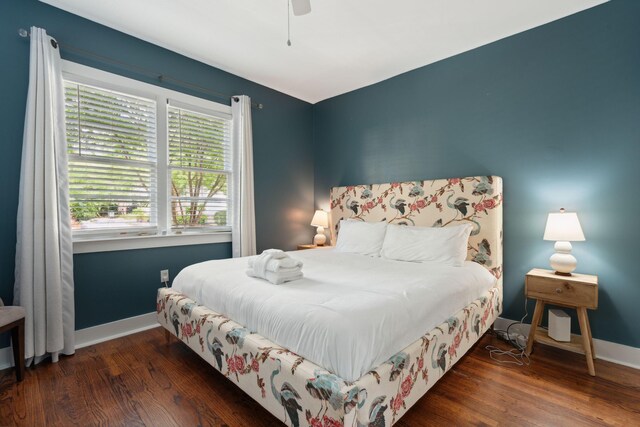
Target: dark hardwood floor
{"x":139,"y":380}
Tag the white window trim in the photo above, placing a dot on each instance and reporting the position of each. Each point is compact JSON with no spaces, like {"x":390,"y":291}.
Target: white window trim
{"x":147,"y":242}
{"x":93,"y":76}
{"x":165,"y":238}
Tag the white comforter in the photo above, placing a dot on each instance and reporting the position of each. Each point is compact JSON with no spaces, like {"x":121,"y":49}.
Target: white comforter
{"x":349,"y":314}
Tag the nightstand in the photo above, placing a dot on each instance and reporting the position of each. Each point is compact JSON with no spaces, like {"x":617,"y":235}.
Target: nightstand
{"x":301,"y":247}
{"x":579,"y":291}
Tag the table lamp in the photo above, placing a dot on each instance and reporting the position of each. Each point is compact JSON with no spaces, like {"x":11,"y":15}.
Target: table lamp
{"x":320,"y":220}
{"x":563,"y":227}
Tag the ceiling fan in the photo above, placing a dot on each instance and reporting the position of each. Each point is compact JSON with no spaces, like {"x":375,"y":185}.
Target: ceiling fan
{"x":301,"y":7}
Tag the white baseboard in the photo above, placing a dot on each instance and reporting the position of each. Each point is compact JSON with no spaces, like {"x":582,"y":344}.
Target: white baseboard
{"x":605,"y":350}
{"x":117,"y":329}
{"x":6,"y":358}
{"x":97,"y":334}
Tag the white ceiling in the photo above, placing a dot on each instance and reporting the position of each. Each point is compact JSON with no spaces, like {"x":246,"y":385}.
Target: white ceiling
{"x":340,"y":46}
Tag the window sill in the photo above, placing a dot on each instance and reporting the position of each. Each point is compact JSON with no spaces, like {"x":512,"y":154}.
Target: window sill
{"x":146,"y":242}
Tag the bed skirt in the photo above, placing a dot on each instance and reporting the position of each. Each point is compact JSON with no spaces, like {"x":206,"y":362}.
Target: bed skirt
{"x":301,"y":393}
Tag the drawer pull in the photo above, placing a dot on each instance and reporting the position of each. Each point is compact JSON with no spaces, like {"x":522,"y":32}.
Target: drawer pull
{"x":558,"y":290}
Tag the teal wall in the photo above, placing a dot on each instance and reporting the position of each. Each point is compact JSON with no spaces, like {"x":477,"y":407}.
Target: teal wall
{"x":555,"y":111}
{"x":116,"y":285}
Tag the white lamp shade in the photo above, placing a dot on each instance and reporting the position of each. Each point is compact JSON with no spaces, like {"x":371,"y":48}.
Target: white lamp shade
{"x":320,"y":219}
{"x":563,"y":226}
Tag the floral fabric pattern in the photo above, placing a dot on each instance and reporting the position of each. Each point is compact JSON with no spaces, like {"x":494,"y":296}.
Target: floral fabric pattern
{"x":438,"y":203}
{"x":301,"y":393}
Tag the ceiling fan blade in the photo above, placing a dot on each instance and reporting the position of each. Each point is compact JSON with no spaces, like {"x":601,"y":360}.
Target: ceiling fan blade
{"x":301,"y":7}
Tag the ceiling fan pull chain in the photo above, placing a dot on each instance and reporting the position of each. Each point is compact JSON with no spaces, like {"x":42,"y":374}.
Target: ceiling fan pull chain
{"x":288,"y":22}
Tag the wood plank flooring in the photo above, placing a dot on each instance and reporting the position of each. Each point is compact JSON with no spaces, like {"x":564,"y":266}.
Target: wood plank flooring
{"x":140,"y":381}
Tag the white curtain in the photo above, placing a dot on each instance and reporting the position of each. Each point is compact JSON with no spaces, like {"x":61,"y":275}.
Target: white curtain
{"x":44,"y":250}
{"x":243,"y":235}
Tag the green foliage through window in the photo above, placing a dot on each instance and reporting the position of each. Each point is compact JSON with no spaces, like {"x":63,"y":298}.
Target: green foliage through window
{"x":199,"y":157}
{"x":112,"y":146}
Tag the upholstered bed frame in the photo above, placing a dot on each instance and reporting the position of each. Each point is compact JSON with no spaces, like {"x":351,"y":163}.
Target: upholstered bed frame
{"x":301,"y":393}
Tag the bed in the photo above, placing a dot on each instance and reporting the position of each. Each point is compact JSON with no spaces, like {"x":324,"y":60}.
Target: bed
{"x":370,"y":336}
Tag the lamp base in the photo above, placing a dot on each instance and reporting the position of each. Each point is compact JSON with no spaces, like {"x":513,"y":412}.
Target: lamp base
{"x":559,"y":273}
{"x":562,"y":261}
{"x":320,"y":239}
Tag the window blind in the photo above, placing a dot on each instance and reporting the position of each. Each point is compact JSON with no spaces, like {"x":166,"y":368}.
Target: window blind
{"x":200,"y":167}
{"x":111,"y":141}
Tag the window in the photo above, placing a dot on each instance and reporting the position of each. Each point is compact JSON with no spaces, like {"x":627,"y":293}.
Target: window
{"x":200,"y":167}
{"x":144,"y":160}
{"x":111,"y":142}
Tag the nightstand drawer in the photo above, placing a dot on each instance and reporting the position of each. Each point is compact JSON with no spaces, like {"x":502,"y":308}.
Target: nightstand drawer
{"x":562,"y":290}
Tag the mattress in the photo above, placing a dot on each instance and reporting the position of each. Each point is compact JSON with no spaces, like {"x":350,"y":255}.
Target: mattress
{"x":349,"y":314}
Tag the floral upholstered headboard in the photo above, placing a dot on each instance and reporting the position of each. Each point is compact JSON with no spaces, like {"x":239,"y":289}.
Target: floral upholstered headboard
{"x":436,"y":203}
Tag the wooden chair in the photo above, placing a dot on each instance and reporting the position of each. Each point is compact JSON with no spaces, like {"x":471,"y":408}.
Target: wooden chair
{"x":12,"y":319}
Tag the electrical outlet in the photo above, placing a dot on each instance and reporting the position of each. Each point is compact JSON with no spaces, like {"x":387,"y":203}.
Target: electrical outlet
{"x":164,"y":276}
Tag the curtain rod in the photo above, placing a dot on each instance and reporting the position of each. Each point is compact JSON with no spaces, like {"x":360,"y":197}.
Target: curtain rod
{"x":141,"y":70}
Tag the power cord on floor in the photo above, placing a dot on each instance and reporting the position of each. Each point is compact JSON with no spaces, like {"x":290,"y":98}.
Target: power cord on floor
{"x":515,"y":356}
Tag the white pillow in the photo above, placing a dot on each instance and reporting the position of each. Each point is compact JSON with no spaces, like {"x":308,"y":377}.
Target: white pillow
{"x":444,"y":245}
{"x":361,"y":237}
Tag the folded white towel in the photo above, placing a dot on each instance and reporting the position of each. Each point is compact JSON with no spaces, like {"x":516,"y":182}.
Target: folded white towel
{"x":275,"y":253}
{"x":276,"y":265}
{"x":280,"y":277}
{"x":261,"y":261}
